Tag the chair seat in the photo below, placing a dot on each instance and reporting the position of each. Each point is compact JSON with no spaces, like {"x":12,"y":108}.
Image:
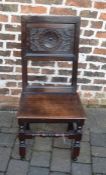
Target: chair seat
{"x":50,"y":106}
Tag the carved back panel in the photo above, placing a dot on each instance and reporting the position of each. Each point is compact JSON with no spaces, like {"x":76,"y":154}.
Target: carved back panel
{"x":50,"y":38}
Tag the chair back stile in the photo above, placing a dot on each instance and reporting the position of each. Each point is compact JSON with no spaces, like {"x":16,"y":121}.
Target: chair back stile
{"x":76,"y":51}
{"x":24,"y":61}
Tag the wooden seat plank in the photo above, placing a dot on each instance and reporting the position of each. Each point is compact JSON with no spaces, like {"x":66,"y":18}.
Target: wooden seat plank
{"x":51,"y":106}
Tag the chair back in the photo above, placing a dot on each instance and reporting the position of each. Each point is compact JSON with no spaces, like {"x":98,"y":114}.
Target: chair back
{"x":50,"y":38}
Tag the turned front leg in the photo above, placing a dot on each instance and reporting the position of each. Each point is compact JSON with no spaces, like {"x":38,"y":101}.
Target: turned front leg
{"x":76,"y":144}
{"x":22,"y":146}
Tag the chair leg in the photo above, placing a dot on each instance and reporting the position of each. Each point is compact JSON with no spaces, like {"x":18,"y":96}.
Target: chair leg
{"x":76,"y":145}
{"x":22,"y":146}
{"x":75,"y":150}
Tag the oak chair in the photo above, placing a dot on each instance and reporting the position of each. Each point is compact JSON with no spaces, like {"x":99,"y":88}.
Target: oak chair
{"x":50,"y":38}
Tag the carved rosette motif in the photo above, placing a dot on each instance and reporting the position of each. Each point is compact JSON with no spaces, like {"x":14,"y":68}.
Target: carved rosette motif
{"x":41,"y":39}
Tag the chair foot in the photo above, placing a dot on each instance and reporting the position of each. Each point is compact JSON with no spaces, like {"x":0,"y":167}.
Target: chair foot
{"x":22,"y":149}
{"x":75,"y":150}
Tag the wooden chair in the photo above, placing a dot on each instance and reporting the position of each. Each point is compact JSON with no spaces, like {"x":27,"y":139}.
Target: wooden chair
{"x":50,"y":38}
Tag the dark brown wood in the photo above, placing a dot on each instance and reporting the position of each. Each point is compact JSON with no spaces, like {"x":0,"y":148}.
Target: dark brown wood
{"x":51,"y":106}
{"x":76,"y":144}
{"x":70,"y":134}
{"x":48,"y":89}
{"x":50,"y":57}
{"x":76,"y":51}
{"x":50,"y":38}
{"x":24,"y":74}
{"x":51,"y":19}
{"x":22,"y":147}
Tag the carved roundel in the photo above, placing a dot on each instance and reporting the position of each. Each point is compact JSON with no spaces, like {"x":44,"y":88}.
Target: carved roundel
{"x":41,"y":39}
{"x":50,"y":39}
